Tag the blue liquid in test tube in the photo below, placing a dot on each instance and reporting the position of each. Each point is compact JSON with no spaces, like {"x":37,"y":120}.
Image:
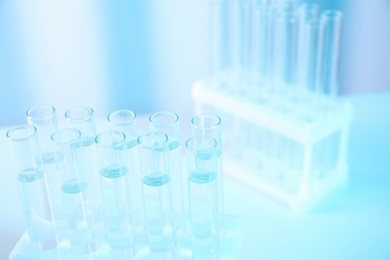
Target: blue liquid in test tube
{"x":157,"y":193}
{"x":210,"y":125}
{"x":32,"y":187}
{"x":115,"y":185}
{"x":168,"y":123}
{"x":203,"y":195}
{"x":45,"y":120}
{"x":82,"y":118}
{"x":125,"y":121}
{"x":75,"y":191}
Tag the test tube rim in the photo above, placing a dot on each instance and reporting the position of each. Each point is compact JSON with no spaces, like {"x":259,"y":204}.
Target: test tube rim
{"x":150,"y":147}
{"x":309,"y":6}
{"x":31,"y":128}
{"x":121,"y":143}
{"x":174,"y":121}
{"x":332,"y":14}
{"x":196,"y":126}
{"x":32,"y":109}
{"x":60,"y":131}
{"x":83,"y":119}
{"x":132,"y":118}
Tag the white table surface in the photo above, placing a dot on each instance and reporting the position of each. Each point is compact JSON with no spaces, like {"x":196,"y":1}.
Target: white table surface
{"x":353,"y":223}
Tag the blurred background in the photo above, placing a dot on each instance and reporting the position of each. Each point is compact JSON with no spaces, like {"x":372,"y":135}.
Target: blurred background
{"x":144,"y":55}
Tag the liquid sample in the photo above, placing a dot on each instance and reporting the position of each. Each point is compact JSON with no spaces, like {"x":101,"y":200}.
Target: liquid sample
{"x":35,"y":203}
{"x":88,"y":162}
{"x":177,"y":181}
{"x":203,"y":192}
{"x":134,"y":182}
{"x":158,"y":211}
{"x":78,"y":212}
{"x":54,"y":185}
{"x":117,"y":205}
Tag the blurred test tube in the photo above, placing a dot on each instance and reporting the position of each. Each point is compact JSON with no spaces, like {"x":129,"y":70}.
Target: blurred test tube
{"x":157,"y":193}
{"x":233,"y":47}
{"x":126,"y":122}
{"x":75,"y":191}
{"x":210,"y":125}
{"x":168,"y":123}
{"x":262,"y":42}
{"x":246,"y":17}
{"x":217,"y":35}
{"x":114,"y":180}
{"x":82,"y":118}
{"x":332,"y":22}
{"x":310,"y":48}
{"x":32,"y":187}
{"x":202,"y":156}
{"x":45,"y":120}
{"x":285,"y":30}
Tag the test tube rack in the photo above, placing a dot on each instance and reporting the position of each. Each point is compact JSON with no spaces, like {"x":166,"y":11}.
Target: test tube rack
{"x":295,"y":155}
{"x":274,"y":82}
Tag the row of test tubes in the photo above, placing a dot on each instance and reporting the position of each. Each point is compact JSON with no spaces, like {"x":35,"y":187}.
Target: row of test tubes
{"x":119,"y":194}
{"x":285,"y":51}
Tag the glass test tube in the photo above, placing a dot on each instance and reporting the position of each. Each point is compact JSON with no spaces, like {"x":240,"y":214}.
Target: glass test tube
{"x":262,"y":43}
{"x":233,"y":25}
{"x":332,"y":21}
{"x":310,"y":48}
{"x":82,"y":119}
{"x":45,"y":120}
{"x":126,"y":122}
{"x":157,"y":191}
{"x":168,"y":123}
{"x":115,"y":184}
{"x":217,"y":35}
{"x":203,"y":194}
{"x":76,"y":198}
{"x":32,"y":186}
{"x":256,"y":38}
{"x":210,"y":125}
{"x":246,"y":37}
{"x":285,"y":29}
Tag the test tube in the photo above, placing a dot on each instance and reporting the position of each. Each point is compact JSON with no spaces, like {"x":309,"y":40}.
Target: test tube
{"x":285,"y":29}
{"x":76,"y":198}
{"x":203,"y":194}
{"x":32,"y":187}
{"x":233,"y":37}
{"x":115,"y":183}
{"x":157,"y":192}
{"x":45,"y":120}
{"x":310,"y":49}
{"x":256,"y":32}
{"x":126,"y":121}
{"x":210,"y":125}
{"x":332,"y":21}
{"x":246,"y":38}
{"x":262,"y":43}
{"x":217,"y":34}
{"x":82,"y":119}
{"x":168,"y":123}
